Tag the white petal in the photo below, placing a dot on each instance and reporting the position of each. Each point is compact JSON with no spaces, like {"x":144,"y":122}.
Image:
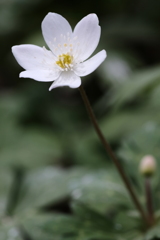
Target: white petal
{"x":88,"y":33}
{"x":55,"y":28}
{"x":90,"y":65}
{"x":66,"y":79}
{"x":41,"y":75}
{"x":32,"y":57}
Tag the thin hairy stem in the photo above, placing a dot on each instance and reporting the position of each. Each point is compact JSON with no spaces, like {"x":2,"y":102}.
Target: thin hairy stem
{"x":113,"y":156}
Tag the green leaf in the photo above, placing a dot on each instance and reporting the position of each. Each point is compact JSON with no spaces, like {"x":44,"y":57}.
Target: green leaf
{"x":98,"y":189}
{"x":64,"y":227}
{"x":8,"y":230}
{"x":144,"y":141}
{"x":42,"y":187}
{"x":101,"y":190}
{"x":5,"y":187}
{"x":84,"y":224}
{"x":26,"y":147}
{"x":153,"y":233}
{"x":49,"y":226}
{"x":136,"y":84}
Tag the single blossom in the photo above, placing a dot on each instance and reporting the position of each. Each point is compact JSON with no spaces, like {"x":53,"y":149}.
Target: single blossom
{"x":65,"y":62}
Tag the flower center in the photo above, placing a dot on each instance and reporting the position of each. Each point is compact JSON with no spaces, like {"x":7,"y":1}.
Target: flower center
{"x":65,"y":61}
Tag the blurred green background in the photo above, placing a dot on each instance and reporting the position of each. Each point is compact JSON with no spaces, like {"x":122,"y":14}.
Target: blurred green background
{"x":52,"y":165}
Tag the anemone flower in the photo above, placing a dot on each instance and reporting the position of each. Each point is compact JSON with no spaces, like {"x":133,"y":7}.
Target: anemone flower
{"x":67,"y":60}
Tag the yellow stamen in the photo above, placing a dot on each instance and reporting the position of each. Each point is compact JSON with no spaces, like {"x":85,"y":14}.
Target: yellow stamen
{"x":64,"y":60}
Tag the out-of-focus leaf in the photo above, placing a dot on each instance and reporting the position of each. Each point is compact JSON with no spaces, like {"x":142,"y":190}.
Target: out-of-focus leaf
{"x":87,"y":225}
{"x":132,"y":87}
{"x":138,"y":83}
{"x":5,"y":187}
{"x":153,"y":100}
{"x":126,"y":122}
{"x":51,"y":226}
{"x":84,"y":224}
{"x":47,"y":186}
{"x":8,"y":230}
{"x":114,"y":126}
{"x":145,"y":141}
{"x":142,"y":142}
{"x":88,"y":150}
{"x":42,"y":187}
{"x":98,"y":189}
{"x":30,"y":149}
{"x":153,"y":233}
{"x":93,"y":225}
{"x":24,"y":147}
{"x":101,"y":190}
{"x":107,"y":70}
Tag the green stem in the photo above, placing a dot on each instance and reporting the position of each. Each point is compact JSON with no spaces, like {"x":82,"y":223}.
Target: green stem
{"x":112,"y":156}
{"x":149,"y":203}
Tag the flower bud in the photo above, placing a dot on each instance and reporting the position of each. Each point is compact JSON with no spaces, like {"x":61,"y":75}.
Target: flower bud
{"x":147,"y":166}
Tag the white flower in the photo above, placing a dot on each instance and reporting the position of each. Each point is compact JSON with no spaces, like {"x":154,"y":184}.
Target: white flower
{"x":65,"y":63}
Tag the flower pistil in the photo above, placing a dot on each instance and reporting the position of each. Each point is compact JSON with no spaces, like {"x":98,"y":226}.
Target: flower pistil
{"x":65,"y":61}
